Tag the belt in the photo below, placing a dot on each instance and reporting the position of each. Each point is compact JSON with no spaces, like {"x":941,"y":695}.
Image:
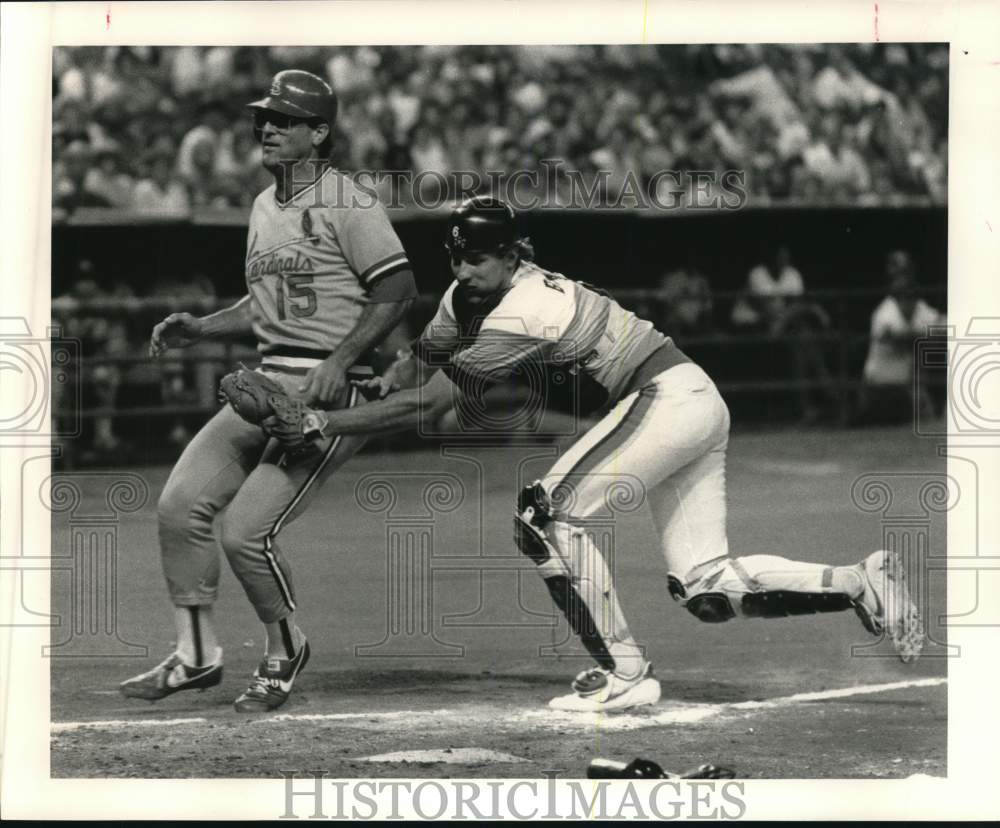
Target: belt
{"x":663,"y":358}
{"x":271,"y":364}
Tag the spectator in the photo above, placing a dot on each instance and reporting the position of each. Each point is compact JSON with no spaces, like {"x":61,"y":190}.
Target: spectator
{"x":391,"y":189}
{"x":728,"y":131}
{"x":71,"y":123}
{"x":881,"y":188}
{"x":428,"y":151}
{"x":103,"y":338}
{"x":108,"y":177}
{"x":217,"y":66}
{"x":194,"y":380}
{"x":850,"y":169}
{"x":212,"y":130}
{"x":205,"y":188}
{"x":70,"y":189}
{"x":885,"y":139}
{"x":688,"y":297}
{"x":775,"y":303}
{"x":72,"y":69}
{"x":900,"y":318}
{"x":768,"y":97}
{"x":804,"y":186}
{"x":835,"y":161}
{"x":187,"y":72}
{"x":634,"y":107}
{"x":405,"y":105}
{"x":161,"y":190}
{"x":934,"y":172}
{"x":840,"y":83}
{"x":770,"y":286}
{"x":617,"y":156}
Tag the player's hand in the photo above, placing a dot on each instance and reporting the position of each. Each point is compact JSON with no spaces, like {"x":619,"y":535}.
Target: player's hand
{"x":376,"y":388}
{"x":176,"y":331}
{"x":325,"y":385}
{"x":401,"y":373}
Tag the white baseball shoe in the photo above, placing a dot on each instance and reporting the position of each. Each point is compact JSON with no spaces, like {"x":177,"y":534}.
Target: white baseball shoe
{"x":885,"y":605}
{"x":601,"y":691}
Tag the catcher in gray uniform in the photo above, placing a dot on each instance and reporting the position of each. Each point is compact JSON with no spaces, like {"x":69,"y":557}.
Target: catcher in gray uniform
{"x":327,"y":279}
{"x":664,"y":423}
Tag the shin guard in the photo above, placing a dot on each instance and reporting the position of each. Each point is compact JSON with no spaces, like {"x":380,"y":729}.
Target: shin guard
{"x":579,"y":581}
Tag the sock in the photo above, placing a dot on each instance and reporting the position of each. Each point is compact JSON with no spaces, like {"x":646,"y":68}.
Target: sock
{"x":196,"y":642}
{"x":282,"y":637}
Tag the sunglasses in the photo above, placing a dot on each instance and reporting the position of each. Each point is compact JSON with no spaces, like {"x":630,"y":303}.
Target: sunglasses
{"x":278,"y":120}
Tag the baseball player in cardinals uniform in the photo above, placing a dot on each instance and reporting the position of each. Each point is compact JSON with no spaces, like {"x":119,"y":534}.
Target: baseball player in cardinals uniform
{"x":663,"y":423}
{"x":327,"y":279}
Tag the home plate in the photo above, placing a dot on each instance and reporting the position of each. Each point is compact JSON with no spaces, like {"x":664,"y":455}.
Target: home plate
{"x":449,"y":756}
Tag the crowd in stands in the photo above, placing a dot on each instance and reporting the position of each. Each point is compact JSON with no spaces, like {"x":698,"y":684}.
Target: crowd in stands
{"x":147,"y":128}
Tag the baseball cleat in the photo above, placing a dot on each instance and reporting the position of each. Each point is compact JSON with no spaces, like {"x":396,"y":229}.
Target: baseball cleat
{"x":271,"y":684}
{"x":885,"y":605}
{"x":171,"y":676}
{"x":601,"y":691}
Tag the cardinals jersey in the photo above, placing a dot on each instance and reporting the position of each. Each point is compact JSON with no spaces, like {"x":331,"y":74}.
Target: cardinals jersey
{"x":581,"y":337}
{"x":312,"y":261}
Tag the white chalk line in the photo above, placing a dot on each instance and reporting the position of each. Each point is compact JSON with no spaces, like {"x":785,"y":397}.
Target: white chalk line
{"x":444,"y":756}
{"x":489,"y":716}
{"x":375,"y":716}
{"x":115,"y":724}
{"x":844,"y":692}
{"x":695,"y":713}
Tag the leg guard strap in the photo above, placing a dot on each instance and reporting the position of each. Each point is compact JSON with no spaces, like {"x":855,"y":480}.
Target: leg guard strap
{"x":530,"y":523}
{"x":710,"y":606}
{"x":581,"y":621}
{"x":782,"y":603}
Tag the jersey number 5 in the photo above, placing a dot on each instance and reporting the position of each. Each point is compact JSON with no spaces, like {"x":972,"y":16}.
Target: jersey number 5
{"x":296,"y":290}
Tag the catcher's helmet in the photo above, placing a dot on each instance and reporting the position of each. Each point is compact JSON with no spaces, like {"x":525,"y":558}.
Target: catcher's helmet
{"x":482,"y":224}
{"x":301,"y":95}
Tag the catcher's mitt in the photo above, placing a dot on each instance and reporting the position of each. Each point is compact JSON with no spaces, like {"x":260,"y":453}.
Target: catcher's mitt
{"x":261,"y":401}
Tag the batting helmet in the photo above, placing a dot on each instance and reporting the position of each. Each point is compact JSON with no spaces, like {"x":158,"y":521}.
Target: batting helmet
{"x":482,"y":224}
{"x":301,"y":95}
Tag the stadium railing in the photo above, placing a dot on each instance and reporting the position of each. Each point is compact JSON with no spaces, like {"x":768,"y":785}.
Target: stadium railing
{"x":751,"y":369}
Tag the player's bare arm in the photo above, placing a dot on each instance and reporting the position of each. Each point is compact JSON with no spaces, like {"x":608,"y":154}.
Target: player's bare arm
{"x":179,"y":330}
{"x":404,"y":372}
{"x":326,"y":384}
{"x":423,"y":405}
